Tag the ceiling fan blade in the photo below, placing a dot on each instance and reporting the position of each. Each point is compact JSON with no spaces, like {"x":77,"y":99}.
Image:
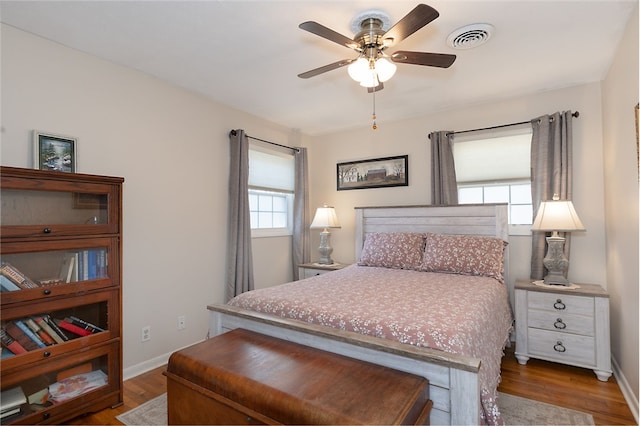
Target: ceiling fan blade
{"x":325,"y":68}
{"x":378,"y":88}
{"x":420,"y":16}
{"x":441,"y":60}
{"x":329,"y":34}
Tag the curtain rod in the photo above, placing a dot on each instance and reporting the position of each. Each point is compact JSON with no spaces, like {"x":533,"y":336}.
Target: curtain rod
{"x":234,"y":133}
{"x":576,"y":114}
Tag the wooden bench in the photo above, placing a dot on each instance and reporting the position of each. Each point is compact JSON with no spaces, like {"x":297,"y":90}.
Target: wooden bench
{"x":242,"y":377}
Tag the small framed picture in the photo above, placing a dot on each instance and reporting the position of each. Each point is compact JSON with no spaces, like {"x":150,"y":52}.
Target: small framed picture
{"x":54,"y":152}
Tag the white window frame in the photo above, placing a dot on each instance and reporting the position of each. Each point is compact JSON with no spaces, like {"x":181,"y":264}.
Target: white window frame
{"x":514,"y":229}
{"x":274,"y":232}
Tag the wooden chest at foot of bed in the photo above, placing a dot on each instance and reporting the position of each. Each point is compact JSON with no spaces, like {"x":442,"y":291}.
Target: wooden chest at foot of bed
{"x":242,"y":377}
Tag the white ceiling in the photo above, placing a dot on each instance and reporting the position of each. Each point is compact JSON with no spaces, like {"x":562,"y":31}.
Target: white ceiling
{"x":247,"y":54}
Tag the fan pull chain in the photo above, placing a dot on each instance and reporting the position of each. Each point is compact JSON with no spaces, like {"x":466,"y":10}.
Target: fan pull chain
{"x":373,"y":116}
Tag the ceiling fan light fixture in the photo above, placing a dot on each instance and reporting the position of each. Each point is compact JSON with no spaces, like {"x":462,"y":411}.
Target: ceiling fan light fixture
{"x":370,"y":79}
{"x":358,"y":69}
{"x":385,"y":69}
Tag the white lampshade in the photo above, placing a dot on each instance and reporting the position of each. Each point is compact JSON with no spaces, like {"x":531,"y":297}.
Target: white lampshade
{"x":325,"y":218}
{"x":557,"y":215}
{"x":370,"y":79}
{"x":385,"y":69}
{"x":358,"y":69}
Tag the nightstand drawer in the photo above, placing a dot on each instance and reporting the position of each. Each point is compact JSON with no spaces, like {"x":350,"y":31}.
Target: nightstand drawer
{"x":562,"y":322}
{"x":568,"y":348}
{"x":577,"y":305}
{"x":312,"y":272}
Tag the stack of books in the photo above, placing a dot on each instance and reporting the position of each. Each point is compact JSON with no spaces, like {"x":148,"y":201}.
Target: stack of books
{"x":27,"y":334}
{"x":11,"y":401}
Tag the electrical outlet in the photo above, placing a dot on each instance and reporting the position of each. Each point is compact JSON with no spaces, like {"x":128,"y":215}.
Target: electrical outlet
{"x":146,"y":333}
{"x":182,"y":322}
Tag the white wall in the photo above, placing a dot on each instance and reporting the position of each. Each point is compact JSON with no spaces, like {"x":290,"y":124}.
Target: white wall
{"x":588,"y":259}
{"x":620,"y":95}
{"x":170,"y":145}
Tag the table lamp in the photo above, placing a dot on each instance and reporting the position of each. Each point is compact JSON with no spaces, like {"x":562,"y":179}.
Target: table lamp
{"x":325,"y":218}
{"x":556,"y":216}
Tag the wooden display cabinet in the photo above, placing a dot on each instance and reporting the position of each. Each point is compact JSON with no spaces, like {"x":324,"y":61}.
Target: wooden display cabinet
{"x":60,"y":259}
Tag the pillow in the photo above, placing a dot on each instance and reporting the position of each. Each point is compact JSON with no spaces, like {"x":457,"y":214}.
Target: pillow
{"x":464,"y":254}
{"x":398,"y":250}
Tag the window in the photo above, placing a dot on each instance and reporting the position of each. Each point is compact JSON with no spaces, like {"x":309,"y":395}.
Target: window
{"x":495,"y":168}
{"x":271,"y":185}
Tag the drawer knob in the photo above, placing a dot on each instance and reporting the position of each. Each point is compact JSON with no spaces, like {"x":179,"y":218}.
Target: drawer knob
{"x":559,"y":347}
{"x":559,"y":305}
{"x":47,"y":292}
{"x":46,"y":354}
{"x":559,"y":324}
{"x":47,"y":230}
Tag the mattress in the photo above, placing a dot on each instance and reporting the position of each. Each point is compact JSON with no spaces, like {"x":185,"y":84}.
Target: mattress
{"x":460,"y":314}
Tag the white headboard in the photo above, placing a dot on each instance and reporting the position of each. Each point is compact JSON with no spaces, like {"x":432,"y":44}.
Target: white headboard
{"x":468,"y":219}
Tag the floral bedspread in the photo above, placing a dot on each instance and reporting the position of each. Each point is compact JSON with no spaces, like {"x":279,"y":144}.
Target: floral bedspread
{"x":467,"y":315}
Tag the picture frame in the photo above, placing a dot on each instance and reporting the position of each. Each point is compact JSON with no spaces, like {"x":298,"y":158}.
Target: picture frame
{"x":374,"y":173}
{"x":54,"y":152}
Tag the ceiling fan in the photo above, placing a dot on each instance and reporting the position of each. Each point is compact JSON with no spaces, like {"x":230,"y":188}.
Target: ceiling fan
{"x":373,"y":66}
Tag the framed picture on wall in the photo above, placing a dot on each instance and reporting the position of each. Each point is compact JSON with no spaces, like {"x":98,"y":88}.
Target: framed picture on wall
{"x":375,"y":173}
{"x":54,"y":152}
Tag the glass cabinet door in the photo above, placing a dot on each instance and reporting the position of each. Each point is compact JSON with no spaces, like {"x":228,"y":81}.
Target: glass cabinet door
{"x":60,"y":208}
{"x":50,"y":328}
{"x":56,"y":268}
{"x":39,"y":395}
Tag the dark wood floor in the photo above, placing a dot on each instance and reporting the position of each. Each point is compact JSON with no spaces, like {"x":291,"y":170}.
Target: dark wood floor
{"x":569,"y":387}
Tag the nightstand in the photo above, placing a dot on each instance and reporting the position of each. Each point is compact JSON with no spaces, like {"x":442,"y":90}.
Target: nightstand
{"x":570,"y":326}
{"x":307,"y":270}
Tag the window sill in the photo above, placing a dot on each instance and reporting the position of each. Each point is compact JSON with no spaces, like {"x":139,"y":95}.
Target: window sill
{"x":272,"y":232}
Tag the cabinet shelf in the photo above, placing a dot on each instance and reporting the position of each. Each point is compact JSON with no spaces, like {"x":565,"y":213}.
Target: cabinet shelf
{"x":60,"y":265}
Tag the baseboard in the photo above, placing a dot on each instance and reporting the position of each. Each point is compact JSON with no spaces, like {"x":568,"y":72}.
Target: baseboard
{"x":148,"y":365}
{"x":632,"y":400}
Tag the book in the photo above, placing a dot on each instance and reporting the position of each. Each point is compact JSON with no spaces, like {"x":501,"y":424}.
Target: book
{"x":50,"y":331}
{"x":11,"y":399}
{"x":11,"y":344}
{"x":7,"y":285}
{"x":47,"y":318}
{"x":10,"y":412}
{"x":68,"y":267}
{"x":17,"y":277}
{"x":40,"y":332}
{"x":65,"y":325}
{"x":40,"y":397}
{"x":16,"y":333}
{"x":84,"y":324}
{"x":74,"y":386}
{"x":26,"y":330}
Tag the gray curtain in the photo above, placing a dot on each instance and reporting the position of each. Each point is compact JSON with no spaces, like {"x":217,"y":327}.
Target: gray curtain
{"x":444,"y":188}
{"x":301,"y":233}
{"x":239,"y":257}
{"x":551,"y":173}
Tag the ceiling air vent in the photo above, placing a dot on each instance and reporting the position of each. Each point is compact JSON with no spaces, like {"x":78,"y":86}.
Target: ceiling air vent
{"x":470,"y":36}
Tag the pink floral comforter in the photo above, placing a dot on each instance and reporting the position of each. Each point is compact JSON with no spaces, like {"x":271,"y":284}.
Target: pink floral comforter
{"x":467,"y":315}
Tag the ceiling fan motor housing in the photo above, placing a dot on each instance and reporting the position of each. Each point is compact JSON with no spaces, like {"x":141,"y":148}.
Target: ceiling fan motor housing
{"x":370,"y":36}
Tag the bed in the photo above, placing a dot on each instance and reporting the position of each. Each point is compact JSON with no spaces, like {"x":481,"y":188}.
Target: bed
{"x":454,"y":331}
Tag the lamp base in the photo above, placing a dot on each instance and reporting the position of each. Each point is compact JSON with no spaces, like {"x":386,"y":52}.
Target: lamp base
{"x":556,"y":262}
{"x":325,"y":249}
